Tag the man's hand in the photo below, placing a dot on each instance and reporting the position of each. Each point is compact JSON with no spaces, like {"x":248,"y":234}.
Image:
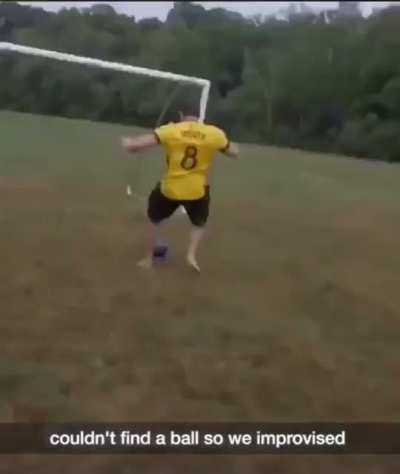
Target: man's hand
{"x":139,"y":143}
{"x":126,"y":143}
{"x":232,"y":151}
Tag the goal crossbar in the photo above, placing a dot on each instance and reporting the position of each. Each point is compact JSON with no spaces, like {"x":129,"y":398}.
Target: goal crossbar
{"x":203,"y":83}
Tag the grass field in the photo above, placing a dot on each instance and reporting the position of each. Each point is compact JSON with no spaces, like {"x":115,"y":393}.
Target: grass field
{"x":294,"y":318}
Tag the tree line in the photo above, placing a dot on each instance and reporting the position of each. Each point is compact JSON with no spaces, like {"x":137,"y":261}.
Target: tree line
{"x":327,"y":81}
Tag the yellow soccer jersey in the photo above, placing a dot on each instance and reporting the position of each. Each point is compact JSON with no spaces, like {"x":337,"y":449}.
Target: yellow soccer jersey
{"x":190,"y":148}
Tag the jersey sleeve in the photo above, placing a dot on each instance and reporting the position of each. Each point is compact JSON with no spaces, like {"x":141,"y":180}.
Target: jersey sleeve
{"x":163,"y":134}
{"x":222,"y":141}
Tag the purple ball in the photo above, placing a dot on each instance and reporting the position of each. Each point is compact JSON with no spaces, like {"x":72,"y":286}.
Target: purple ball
{"x":160,"y":252}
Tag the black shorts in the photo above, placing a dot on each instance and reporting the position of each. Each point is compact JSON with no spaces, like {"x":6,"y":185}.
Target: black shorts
{"x":160,"y":207}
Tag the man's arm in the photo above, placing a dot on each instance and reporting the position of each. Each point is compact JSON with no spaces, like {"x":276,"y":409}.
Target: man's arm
{"x":142,"y":142}
{"x":225,"y":146}
{"x":231,"y":150}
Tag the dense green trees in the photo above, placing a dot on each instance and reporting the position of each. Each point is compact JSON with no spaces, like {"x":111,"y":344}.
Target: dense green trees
{"x":328,"y":81}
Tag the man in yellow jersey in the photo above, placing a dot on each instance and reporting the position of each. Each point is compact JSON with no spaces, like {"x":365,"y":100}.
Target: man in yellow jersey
{"x":190,"y":148}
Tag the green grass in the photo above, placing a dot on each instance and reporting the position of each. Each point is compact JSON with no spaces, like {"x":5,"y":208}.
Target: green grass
{"x":295,"y":317}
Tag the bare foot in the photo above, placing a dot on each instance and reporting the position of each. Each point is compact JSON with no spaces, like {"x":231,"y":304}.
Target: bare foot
{"x":146,"y":263}
{"x":191,"y":260}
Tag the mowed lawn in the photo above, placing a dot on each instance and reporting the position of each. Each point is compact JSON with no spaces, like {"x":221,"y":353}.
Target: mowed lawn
{"x":295,"y":316}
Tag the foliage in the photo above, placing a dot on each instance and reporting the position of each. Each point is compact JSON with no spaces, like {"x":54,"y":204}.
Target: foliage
{"x":327,"y":81}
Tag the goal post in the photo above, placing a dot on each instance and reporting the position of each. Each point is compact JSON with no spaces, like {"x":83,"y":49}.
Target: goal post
{"x":204,"y":84}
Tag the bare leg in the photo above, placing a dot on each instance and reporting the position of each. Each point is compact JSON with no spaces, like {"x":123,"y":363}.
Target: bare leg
{"x":147,"y":261}
{"x":196,"y":235}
